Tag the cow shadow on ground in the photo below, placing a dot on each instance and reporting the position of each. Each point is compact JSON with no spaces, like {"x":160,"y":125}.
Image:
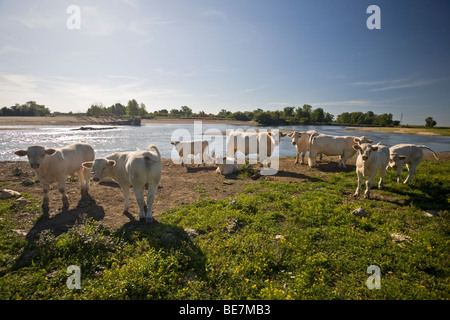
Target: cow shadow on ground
{"x":191,"y":169}
{"x":333,"y":167}
{"x":422,"y":195}
{"x":58,"y":224}
{"x":296,"y":175}
{"x":169,"y":238}
{"x":67,"y":217}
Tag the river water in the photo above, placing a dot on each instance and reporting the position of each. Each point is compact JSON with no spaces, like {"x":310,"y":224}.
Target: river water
{"x":127,"y":138}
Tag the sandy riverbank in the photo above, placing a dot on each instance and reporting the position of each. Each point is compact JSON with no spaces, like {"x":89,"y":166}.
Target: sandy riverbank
{"x":75,"y":121}
{"x":422,"y":131}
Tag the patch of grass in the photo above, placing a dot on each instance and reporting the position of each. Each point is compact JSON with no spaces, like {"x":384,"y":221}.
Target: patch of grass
{"x":274,"y":241}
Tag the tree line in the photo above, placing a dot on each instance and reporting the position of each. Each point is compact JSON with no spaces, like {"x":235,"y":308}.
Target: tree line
{"x":28,"y":109}
{"x":287,"y":116}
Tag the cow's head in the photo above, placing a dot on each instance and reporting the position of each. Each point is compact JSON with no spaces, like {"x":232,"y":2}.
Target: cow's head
{"x":396,"y":160}
{"x":365,"y":150}
{"x":362,"y":140}
{"x":100,"y":168}
{"x":294,"y":135}
{"x":35,"y":154}
{"x":178,"y":147}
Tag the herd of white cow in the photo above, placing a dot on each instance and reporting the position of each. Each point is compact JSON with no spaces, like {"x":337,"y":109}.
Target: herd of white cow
{"x":142,"y":169}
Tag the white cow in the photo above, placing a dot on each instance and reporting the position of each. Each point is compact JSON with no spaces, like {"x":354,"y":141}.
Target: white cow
{"x":54,"y":165}
{"x":227,"y":165}
{"x":371,"y":159}
{"x":141,"y":168}
{"x":261,"y":143}
{"x":300,"y":139}
{"x":196,"y":147}
{"x":408,"y":154}
{"x":331,"y":146}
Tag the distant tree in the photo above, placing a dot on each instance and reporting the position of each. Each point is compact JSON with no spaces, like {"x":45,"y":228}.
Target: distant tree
{"x":328,"y":118}
{"x":186,"y":111}
{"x":142,"y":112}
{"x":224,"y":113}
{"x":118,"y":109}
{"x":96,"y":110}
{"x":28,"y":109}
{"x":132,"y":108}
{"x":241,"y":116}
{"x":429,"y":122}
{"x":318,"y":115}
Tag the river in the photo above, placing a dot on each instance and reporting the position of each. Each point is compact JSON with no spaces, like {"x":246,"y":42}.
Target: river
{"x":127,"y":138}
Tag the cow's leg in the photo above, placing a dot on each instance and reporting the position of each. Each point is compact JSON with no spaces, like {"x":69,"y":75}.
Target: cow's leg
{"x":150,"y":199}
{"x":126,"y":194}
{"x":312,"y":159}
{"x":369,"y":184}
{"x":139,"y":193}
{"x":82,"y":176}
{"x":46,"y":189}
{"x":399,"y":173}
{"x":62,"y":189}
{"x":382,"y":173}
{"x":411,"y":171}
{"x":360,"y":181}
{"x":297,"y":156}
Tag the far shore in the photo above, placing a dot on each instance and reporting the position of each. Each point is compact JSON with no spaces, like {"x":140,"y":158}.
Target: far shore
{"x":422,"y":131}
{"x":14,"y":122}
{"x":74,"y":121}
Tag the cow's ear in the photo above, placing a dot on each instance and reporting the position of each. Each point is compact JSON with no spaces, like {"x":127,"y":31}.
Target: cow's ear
{"x":356,"y":140}
{"x":290,"y":135}
{"x":111,"y":163}
{"x":21,"y":153}
{"x":356,"y":146}
{"x":50,"y":152}
{"x":172,"y":143}
{"x":402,"y":157}
{"x":374,"y":148}
{"x":282,"y":134}
{"x":88,"y":164}
{"x":370,"y":141}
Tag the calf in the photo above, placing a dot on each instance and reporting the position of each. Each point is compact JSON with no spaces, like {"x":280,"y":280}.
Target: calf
{"x":185,"y":148}
{"x":54,"y":165}
{"x":228,"y":166}
{"x":300,"y":140}
{"x":331,"y":146}
{"x":142,"y":169}
{"x":371,"y":159}
{"x":408,"y":154}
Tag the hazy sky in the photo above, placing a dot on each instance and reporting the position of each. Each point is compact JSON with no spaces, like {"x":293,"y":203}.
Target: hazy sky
{"x":231,"y":54}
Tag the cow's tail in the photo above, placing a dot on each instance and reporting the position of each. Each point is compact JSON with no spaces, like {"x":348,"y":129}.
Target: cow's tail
{"x":434,"y":153}
{"x":312,"y":137}
{"x":154,"y":156}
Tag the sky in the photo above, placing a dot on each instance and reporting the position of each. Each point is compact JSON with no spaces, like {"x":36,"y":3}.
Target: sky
{"x":236,"y":55}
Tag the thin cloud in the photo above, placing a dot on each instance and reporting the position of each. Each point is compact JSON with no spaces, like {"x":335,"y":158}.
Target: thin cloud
{"x":214,"y":14}
{"x":401,"y":83}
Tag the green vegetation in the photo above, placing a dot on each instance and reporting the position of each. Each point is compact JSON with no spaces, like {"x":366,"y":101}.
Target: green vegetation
{"x":29,"y":109}
{"x":274,"y":241}
{"x":291,"y":115}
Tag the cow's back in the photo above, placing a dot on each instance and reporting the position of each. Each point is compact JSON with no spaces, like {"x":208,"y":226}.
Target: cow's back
{"x":144,"y":166}
{"x":331,"y":145}
{"x":75,"y":154}
{"x":411,"y":151}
